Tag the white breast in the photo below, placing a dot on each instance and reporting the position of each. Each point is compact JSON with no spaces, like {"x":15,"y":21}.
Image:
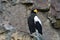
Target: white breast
{"x":36,"y":19}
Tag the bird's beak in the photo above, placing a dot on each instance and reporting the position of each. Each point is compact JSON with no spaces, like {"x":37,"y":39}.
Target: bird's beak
{"x":36,"y":11}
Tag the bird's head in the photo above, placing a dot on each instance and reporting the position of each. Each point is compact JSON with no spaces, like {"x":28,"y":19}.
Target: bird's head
{"x":34,"y":11}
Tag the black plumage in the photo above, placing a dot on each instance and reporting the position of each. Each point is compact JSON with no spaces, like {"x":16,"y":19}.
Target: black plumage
{"x":33,"y":25}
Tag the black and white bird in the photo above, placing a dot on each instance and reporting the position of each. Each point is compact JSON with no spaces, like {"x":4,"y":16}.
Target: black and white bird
{"x":34,"y":22}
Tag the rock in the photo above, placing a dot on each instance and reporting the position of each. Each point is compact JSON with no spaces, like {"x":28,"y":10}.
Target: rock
{"x":6,"y":27}
{"x":12,"y":2}
{"x":43,"y":4}
{"x":26,"y":1}
{"x":21,"y":35}
{"x":2,"y":29}
{"x":2,"y":37}
{"x":1,"y":8}
{"x":57,"y":24}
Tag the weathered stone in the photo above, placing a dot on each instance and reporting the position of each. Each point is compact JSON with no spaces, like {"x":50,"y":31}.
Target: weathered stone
{"x":57,"y":24}
{"x":2,"y":37}
{"x":48,"y":32}
{"x":57,"y":5}
{"x":21,"y":36}
{"x":42,"y":4}
{"x":2,"y":30}
{"x":26,"y":1}
{"x":5,"y":26}
{"x":18,"y":18}
{"x":58,"y":15}
{"x":1,"y":8}
{"x":55,"y":12}
{"x":12,"y":2}
{"x":55,"y":8}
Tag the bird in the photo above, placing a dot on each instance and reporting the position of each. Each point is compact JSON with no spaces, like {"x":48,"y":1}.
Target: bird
{"x":34,"y":23}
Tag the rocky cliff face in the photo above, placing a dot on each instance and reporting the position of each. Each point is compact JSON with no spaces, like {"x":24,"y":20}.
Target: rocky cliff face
{"x":16,"y":12}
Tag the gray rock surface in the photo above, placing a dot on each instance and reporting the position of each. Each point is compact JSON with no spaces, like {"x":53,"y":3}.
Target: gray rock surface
{"x":17,"y":15}
{"x":48,"y":32}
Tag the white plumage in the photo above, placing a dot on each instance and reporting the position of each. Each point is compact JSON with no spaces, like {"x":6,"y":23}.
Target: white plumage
{"x":36,"y":19}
